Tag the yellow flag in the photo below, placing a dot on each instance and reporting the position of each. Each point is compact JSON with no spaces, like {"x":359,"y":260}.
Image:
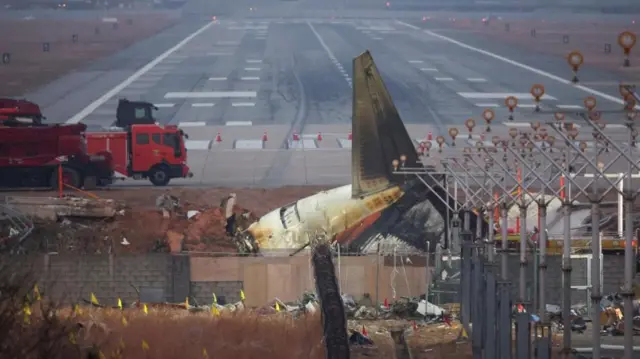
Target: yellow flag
{"x":124,"y":321}
{"x":94,"y":300}
{"x":204,"y":353}
{"x":120,"y":303}
{"x":215,"y":311}
{"x":242,"y":297}
{"x":145,"y":309}
{"x":72,"y":338}
{"x":145,"y":345}
{"x":101,"y":355}
{"x":277,"y":306}
{"x":76,"y":309}
{"x":27,"y":313}
{"x":36,"y":292}
{"x":186,"y":303}
{"x":215,"y":299}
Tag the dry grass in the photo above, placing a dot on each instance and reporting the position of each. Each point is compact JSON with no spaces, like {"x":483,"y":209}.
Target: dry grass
{"x":173,"y":333}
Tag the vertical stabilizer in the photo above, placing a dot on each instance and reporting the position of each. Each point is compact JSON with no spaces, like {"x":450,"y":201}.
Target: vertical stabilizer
{"x":379,"y":136}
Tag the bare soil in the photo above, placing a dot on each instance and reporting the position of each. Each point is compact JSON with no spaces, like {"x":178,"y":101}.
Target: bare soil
{"x":143,"y":225}
{"x":30,"y":67}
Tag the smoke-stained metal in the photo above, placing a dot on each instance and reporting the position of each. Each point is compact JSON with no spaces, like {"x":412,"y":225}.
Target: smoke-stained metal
{"x":378,"y":132}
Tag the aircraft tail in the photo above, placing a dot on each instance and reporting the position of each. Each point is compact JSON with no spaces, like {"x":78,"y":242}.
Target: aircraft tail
{"x":379,"y":136}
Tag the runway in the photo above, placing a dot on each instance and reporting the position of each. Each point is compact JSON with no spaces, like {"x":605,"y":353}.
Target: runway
{"x":251,"y":76}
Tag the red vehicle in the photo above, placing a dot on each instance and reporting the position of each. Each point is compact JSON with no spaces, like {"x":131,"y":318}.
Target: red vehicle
{"x":144,"y":151}
{"x":30,"y":156}
{"x":22,"y":112}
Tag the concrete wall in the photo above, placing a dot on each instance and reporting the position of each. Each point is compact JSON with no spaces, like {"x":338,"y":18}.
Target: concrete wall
{"x":165,"y":277}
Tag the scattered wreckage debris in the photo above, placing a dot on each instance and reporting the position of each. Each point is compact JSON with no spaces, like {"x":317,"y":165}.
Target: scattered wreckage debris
{"x":52,"y":208}
{"x":87,"y":225}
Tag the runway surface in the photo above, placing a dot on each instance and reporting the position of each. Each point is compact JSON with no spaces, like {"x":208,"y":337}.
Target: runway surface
{"x":253,"y":74}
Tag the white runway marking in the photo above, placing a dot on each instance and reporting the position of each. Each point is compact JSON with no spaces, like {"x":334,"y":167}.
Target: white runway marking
{"x":164,"y":105}
{"x":502,"y":95}
{"x":430,"y":69}
{"x":516,"y":124}
{"x":519,"y":64}
{"x":443,"y":79}
{"x":217,"y":79}
{"x":252,"y":69}
{"x":203,"y":104}
{"x":197,"y":145}
{"x":476,"y":79}
{"x":254,"y":61}
{"x":243,"y":104}
{"x":487,"y":105}
{"x":250,"y":78}
{"x":415,"y":61}
{"x":570,"y":107}
{"x":192,"y":124}
{"x":238,"y":123}
{"x":212,"y":94}
{"x":330,"y":53}
{"x":146,"y":68}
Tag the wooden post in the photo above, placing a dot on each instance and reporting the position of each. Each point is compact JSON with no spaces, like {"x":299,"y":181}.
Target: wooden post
{"x":60,"y":183}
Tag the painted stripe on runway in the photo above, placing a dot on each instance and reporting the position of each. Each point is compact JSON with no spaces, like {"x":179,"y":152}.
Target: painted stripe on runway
{"x":526,"y":105}
{"x":238,"y":123}
{"x":487,"y":105}
{"x":164,"y":105}
{"x":501,"y":95}
{"x":217,"y":79}
{"x":519,"y":64}
{"x":197,"y":145}
{"x":203,"y":104}
{"x":415,"y":61}
{"x":570,"y":107}
{"x":431,"y":69}
{"x":516,"y":124}
{"x":376,"y":38}
{"x":250,"y":78}
{"x":476,"y":79}
{"x":254,"y":61}
{"x":252,"y":69}
{"x":192,"y":124}
{"x":443,"y":79}
{"x":243,"y":104}
{"x":212,"y":94}
{"x":146,"y":68}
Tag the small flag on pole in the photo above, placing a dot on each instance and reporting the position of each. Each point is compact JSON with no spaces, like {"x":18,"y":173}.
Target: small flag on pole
{"x":124,"y":321}
{"x":145,"y":309}
{"x":242,"y":297}
{"x":120,"y":303}
{"x":76,"y":309}
{"x":145,"y":345}
{"x":36,"y":292}
{"x":215,"y":299}
{"x":94,"y":300}
{"x":186,"y":303}
{"x":214,"y":310}
{"x":277,"y":306}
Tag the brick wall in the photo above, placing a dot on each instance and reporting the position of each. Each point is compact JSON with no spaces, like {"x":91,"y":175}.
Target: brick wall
{"x":165,"y":277}
{"x":226,"y":291}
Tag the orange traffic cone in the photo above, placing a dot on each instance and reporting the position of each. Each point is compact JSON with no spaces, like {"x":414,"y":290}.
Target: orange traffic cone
{"x":386,"y":303}
{"x":218,"y":137}
{"x":264,"y":136}
{"x":364,"y":331}
{"x":296,"y":136}
{"x":319,"y":136}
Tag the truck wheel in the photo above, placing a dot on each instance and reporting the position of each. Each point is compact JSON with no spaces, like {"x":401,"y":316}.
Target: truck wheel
{"x":70,"y":176}
{"x":159,"y":176}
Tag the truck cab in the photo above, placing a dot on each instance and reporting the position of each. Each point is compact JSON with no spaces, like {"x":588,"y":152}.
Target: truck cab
{"x":131,"y":113}
{"x":157,"y":153}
